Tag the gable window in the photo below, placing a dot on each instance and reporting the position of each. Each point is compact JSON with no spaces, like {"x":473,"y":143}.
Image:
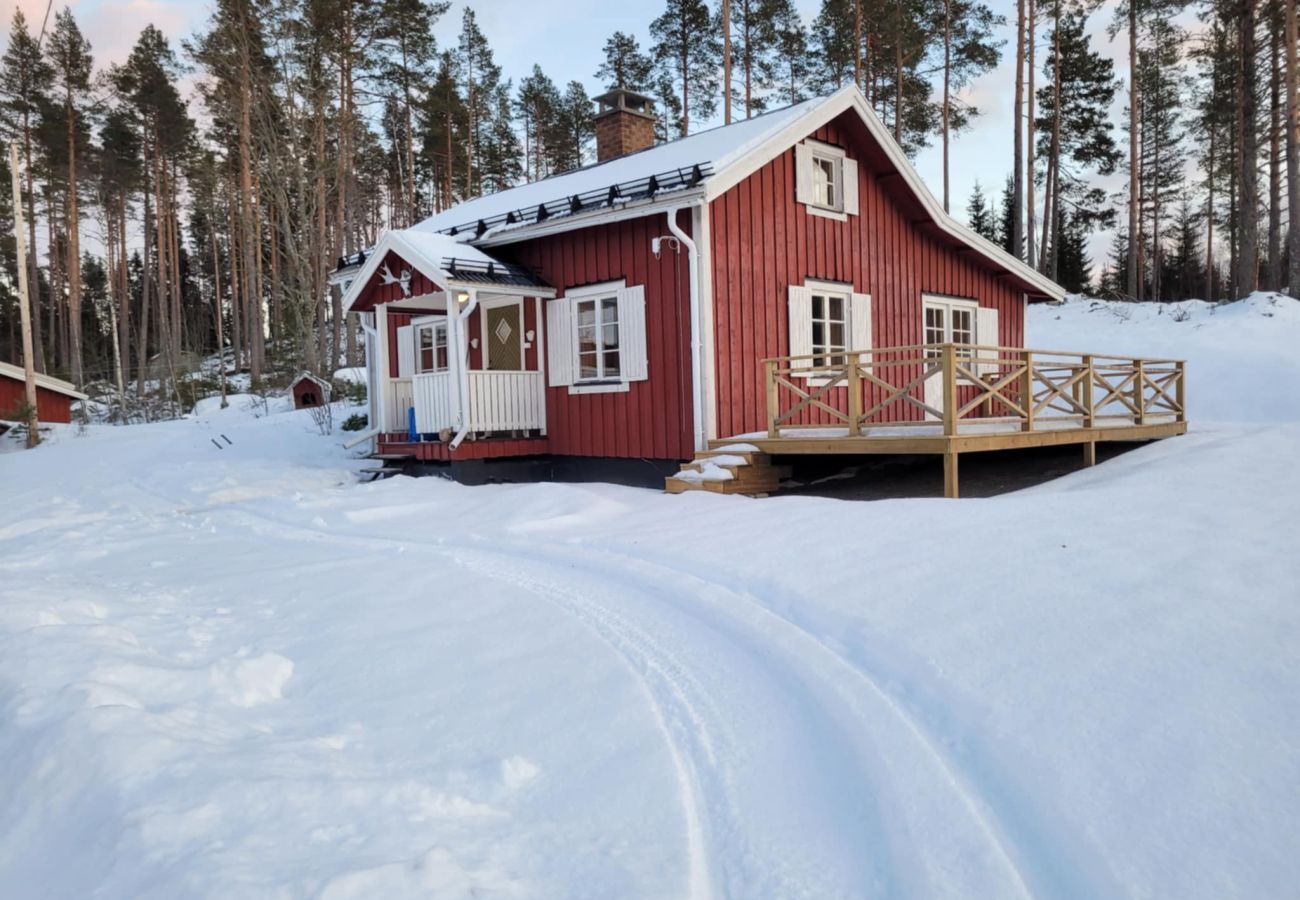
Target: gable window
{"x":826,"y":176}
{"x":596,"y":339}
{"x":826,"y":180}
{"x":431,"y":347}
{"x":826,"y":321}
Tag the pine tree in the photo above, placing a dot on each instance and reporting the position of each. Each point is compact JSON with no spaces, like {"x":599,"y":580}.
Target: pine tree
{"x":688,"y":52}
{"x":980,"y":216}
{"x":480,"y":80}
{"x":754,"y":47}
{"x":24,"y":75}
{"x":1073,"y":265}
{"x":538,"y":104}
{"x":625,"y":66}
{"x":446,"y":126}
{"x":1080,"y":143}
{"x":407,"y":52}
{"x":573,"y":130}
{"x":792,"y":70}
{"x":966,"y":29}
{"x":69,"y":55}
{"x":1008,"y":215}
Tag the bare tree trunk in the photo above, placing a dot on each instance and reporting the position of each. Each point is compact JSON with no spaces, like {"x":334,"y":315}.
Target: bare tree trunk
{"x":1292,"y":150}
{"x":726,"y":62}
{"x":33,"y":271}
{"x":1274,"y":277}
{"x":1017,"y":166}
{"x":1209,"y":219}
{"x":857,"y":43}
{"x":1032,"y":36}
{"x":1248,"y":231}
{"x":74,"y":247}
{"x":947,"y":91}
{"x":1133,"y":187}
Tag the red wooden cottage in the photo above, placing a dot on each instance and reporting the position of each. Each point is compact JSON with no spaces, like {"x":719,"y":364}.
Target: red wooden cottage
{"x":614,"y":321}
{"x":54,"y":396}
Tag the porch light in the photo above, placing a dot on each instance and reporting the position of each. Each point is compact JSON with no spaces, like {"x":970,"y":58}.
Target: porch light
{"x":462,"y":297}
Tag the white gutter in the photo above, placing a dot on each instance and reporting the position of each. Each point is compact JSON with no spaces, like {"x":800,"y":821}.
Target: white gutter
{"x":697,"y":344}
{"x":462,"y":365}
{"x":513,"y":234}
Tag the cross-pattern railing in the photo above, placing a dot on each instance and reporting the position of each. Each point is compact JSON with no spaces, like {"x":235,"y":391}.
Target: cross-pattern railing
{"x":965,"y":384}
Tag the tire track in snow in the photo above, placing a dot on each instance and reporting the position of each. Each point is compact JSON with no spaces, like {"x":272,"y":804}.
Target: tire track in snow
{"x":677,"y":700}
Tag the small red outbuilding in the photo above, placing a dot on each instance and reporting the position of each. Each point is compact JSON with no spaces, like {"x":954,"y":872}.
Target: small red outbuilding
{"x":53,"y":395}
{"x":309,"y":391}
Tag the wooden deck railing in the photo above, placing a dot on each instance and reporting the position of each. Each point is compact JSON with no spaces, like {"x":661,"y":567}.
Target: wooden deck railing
{"x":970,"y":383}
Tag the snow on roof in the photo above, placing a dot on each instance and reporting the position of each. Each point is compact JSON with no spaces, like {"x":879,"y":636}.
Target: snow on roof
{"x":717,"y":147}
{"x":48,"y":382}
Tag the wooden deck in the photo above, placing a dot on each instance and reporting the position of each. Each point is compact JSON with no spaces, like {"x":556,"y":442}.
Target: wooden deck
{"x":950,"y":399}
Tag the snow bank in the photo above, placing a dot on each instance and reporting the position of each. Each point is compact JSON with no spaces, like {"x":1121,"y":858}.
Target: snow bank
{"x":1240,"y":356}
{"x":227,"y":669}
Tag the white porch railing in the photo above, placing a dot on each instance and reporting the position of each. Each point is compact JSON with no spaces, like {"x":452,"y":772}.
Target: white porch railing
{"x":498,"y":401}
{"x":401,"y":397}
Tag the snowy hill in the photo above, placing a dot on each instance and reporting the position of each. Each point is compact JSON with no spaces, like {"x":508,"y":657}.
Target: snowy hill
{"x":228,"y":670}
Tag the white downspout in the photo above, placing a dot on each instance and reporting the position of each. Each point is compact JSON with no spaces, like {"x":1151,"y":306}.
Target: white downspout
{"x":459,"y":321}
{"x":697,"y":343}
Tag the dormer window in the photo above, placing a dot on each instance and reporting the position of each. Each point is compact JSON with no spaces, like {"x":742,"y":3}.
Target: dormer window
{"x":826,"y":180}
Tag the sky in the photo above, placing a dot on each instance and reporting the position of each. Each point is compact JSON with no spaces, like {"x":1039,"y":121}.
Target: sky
{"x":565,"y":38}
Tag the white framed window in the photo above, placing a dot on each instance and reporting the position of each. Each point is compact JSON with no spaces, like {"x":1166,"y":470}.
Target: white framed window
{"x":431,"y":347}
{"x":830,"y":326}
{"x":827,"y":319}
{"x":950,"y":320}
{"x":826,"y":180}
{"x":595,"y":324}
{"x":596,"y":338}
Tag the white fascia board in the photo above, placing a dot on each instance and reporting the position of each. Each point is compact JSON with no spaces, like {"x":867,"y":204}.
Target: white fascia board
{"x":846,"y":98}
{"x":391,"y":240}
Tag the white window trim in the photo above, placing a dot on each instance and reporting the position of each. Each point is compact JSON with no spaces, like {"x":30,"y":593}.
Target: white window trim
{"x":819,"y":150}
{"x":606,"y":290}
{"x":436,"y":324}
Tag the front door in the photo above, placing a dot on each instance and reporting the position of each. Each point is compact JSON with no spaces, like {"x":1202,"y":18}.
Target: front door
{"x":948,"y":320}
{"x":505,"y":337}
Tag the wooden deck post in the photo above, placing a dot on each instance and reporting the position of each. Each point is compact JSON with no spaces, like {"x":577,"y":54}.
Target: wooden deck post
{"x":1086,"y":400}
{"x":855,"y":394}
{"x":1180,"y":391}
{"x":1027,"y":391}
{"x":949,"y":360}
{"x":773,"y":400}
{"x":950,"y":489}
{"x":1139,"y":392}
{"x":1090,"y":453}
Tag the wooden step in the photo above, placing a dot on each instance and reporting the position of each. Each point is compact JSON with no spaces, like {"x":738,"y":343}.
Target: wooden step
{"x":748,"y":471}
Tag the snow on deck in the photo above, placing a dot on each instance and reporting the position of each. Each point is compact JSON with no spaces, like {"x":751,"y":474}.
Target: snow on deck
{"x":235,"y":671}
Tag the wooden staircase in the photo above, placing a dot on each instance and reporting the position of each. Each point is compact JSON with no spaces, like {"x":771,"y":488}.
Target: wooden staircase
{"x":389,"y":464}
{"x":728,"y":468}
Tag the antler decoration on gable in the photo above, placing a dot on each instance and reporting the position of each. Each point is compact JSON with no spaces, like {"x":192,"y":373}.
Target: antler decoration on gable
{"x":404,"y":279}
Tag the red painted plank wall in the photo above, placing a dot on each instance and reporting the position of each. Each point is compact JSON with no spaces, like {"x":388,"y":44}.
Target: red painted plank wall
{"x":763,"y":241}
{"x":653,"y":418}
{"x":51,"y":406}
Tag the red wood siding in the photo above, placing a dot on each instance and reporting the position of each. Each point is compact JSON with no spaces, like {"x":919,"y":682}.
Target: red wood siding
{"x":492,"y":448}
{"x":763,"y":241}
{"x":653,"y":419}
{"x":51,"y":406}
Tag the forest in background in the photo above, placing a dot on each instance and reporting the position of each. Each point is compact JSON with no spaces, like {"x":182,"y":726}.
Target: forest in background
{"x":166,"y":224}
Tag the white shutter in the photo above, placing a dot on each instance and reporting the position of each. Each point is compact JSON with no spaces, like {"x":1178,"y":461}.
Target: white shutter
{"x":406,"y":351}
{"x":631,"y":334}
{"x":803,"y":173}
{"x":800,"y":325}
{"x":986,"y":332}
{"x":559,"y":342}
{"x":860,"y":322}
{"x":850,"y":186}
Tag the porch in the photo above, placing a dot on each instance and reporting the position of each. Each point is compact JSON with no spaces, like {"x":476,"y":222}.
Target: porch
{"x":949,"y":399}
{"x":457,"y":374}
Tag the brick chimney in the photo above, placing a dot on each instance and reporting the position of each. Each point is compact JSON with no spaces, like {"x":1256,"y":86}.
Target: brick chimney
{"x":625,"y":123}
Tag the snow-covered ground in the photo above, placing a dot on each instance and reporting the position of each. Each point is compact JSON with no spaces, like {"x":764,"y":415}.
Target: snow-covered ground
{"x":229,"y":670}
